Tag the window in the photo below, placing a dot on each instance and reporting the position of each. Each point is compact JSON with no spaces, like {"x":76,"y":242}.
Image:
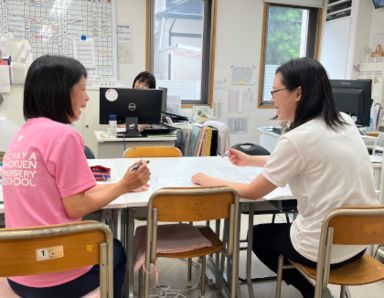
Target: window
{"x":180,"y":47}
{"x":289,"y":32}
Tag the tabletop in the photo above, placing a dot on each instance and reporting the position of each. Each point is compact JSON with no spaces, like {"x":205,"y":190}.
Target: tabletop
{"x":174,"y":172}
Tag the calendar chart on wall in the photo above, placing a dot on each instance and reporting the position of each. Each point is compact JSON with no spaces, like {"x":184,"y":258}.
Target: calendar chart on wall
{"x":55,"y":26}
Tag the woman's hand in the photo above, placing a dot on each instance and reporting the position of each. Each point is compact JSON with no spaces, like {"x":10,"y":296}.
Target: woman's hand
{"x":136,"y":176}
{"x":237,"y":157}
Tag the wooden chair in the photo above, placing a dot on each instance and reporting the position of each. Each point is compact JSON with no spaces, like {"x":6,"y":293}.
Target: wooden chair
{"x":152,"y":151}
{"x":344,"y":226}
{"x":191,"y":204}
{"x":55,"y":248}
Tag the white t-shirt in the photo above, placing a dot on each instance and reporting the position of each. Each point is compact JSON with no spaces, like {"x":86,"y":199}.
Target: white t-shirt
{"x":325,"y":169}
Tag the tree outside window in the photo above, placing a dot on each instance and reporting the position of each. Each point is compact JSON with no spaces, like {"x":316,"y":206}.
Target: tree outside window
{"x":290,"y":32}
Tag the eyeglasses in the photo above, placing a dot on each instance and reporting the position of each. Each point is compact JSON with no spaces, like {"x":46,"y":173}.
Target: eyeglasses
{"x":277,"y":90}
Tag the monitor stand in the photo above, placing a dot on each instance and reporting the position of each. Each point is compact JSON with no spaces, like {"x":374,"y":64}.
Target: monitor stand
{"x":131,"y":129}
{"x":131,"y":123}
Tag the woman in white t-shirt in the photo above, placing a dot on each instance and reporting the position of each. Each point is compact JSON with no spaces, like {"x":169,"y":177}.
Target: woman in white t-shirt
{"x":323,"y":159}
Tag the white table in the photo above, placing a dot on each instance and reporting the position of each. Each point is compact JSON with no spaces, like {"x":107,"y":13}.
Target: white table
{"x":112,"y":147}
{"x":166,"y":172}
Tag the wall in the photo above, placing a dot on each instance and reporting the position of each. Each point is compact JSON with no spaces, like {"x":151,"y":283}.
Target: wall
{"x":238,"y":42}
{"x":377,"y":24}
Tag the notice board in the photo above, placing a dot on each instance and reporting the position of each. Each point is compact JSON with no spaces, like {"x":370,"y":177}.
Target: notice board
{"x":52,"y":26}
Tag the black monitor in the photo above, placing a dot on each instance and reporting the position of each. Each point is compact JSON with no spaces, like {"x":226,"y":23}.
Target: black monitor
{"x":354,"y":98}
{"x":164,"y":100}
{"x":142,"y":105}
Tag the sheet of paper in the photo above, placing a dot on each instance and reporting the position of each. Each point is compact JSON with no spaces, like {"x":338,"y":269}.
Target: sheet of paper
{"x":243,"y":75}
{"x":5,"y":81}
{"x":233,"y":101}
{"x":238,"y":125}
{"x":84,"y":51}
{"x":125,"y":43}
{"x":160,"y":182}
{"x":248,"y":101}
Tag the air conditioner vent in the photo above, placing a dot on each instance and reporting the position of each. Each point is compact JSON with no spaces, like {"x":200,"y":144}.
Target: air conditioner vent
{"x":337,"y":9}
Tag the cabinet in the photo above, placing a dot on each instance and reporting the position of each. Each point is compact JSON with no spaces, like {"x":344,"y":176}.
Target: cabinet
{"x":346,"y":27}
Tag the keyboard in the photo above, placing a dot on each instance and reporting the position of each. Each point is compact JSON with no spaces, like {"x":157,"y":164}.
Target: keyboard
{"x":130,"y":133}
{"x":157,"y":129}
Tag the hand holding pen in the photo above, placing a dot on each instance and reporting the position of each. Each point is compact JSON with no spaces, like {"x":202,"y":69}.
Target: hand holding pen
{"x":136,"y":176}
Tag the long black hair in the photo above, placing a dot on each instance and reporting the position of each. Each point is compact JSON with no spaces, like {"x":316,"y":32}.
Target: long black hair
{"x":47,"y":87}
{"x":316,"y":92}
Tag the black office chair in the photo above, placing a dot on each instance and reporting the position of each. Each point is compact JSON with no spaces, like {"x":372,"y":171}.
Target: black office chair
{"x":88,"y":153}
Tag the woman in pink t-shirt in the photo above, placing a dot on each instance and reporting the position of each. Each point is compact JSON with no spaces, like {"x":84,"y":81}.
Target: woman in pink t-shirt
{"x":46,"y":178}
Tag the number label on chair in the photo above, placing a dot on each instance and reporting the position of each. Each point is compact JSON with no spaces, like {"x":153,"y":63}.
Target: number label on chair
{"x":54,"y":252}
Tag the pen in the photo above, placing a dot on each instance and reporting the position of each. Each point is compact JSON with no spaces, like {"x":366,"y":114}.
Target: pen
{"x":135,"y":167}
{"x":226,"y":153}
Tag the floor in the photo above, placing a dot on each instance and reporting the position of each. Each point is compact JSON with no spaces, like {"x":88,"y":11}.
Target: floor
{"x":172,"y":276}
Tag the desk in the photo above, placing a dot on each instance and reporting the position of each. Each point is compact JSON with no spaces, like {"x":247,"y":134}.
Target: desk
{"x":168,"y":172}
{"x":112,"y":147}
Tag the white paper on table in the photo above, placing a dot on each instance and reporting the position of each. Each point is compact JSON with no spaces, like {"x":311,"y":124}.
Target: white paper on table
{"x":160,"y":182}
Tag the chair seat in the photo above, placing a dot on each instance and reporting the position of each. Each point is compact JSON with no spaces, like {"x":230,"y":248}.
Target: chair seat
{"x":362,"y":271}
{"x":216,"y":246}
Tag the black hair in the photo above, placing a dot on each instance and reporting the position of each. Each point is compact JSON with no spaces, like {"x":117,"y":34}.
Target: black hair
{"x":47,"y":87}
{"x":316,"y":92}
{"x":145,"y":77}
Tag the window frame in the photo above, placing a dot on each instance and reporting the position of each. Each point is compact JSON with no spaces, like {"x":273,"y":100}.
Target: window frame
{"x":312,"y":47}
{"x":208,"y":52}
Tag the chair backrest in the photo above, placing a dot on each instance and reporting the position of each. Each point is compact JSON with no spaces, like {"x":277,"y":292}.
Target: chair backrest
{"x":362,"y":225}
{"x":357,"y":226}
{"x":55,"y":248}
{"x":193,"y":203}
{"x":152,"y":151}
{"x":251,"y":149}
{"x":88,"y":153}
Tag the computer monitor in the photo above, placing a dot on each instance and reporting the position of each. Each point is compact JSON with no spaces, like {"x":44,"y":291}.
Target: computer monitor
{"x":142,"y":105}
{"x":354,"y":98}
{"x":164,"y":100}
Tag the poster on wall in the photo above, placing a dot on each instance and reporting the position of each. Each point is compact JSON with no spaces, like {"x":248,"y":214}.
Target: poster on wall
{"x":243,"y":75}
{"x":125,"y":43}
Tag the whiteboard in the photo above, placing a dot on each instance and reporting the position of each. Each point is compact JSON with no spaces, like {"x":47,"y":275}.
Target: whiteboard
{"x":51,"y":26}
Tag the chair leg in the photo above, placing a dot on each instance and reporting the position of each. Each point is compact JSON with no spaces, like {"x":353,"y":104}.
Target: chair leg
{"x":344,"y":292}
{"x":140,"y":290}
{"x":189,"y":273}
{"x":279,"y":280}
{"x":147,"y":276}
{"x":202,"y":276}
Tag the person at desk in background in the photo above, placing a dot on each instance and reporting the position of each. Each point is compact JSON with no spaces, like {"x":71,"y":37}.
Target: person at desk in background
{"x":144,"y":80}
{"x":323,"y":159}
{"x":46,"y":178}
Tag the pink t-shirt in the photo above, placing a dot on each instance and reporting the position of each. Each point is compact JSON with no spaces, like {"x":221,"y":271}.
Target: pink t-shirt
{"x":44,"y":163}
